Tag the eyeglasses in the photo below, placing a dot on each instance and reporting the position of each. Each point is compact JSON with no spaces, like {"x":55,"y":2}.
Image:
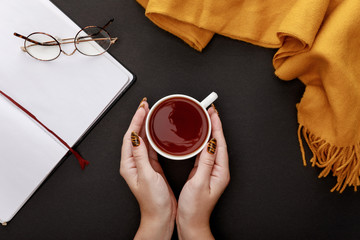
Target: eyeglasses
{"x":90,"y":41}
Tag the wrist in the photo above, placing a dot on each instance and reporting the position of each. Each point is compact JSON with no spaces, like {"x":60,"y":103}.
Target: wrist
{"x":155,"y":227}
{"x":199,"y":230}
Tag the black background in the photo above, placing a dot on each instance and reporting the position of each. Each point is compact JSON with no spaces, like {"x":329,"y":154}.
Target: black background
{"x":270,"y":196}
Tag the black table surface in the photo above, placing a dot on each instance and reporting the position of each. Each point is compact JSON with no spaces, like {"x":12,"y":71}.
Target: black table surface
{"x":270,"y":196}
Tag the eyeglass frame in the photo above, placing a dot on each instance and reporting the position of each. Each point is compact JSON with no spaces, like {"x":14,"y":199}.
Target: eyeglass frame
{"x":58,"y":43}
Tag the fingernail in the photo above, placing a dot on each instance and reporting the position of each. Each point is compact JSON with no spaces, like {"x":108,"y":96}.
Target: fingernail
{"x":211,"y":147}
{"x":215,"y":109}
{"x":135,"y":139}
{"x":142,"y":105}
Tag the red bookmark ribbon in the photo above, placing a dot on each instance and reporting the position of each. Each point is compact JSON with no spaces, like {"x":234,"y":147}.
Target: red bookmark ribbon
{"x":82,"y":161}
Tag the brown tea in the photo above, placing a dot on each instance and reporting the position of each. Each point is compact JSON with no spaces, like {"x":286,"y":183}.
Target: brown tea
{"x":178,"y":126}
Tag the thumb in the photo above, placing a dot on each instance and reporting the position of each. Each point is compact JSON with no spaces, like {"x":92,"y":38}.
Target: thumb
{"x":140,"y":154}
{"x":206,"y":161}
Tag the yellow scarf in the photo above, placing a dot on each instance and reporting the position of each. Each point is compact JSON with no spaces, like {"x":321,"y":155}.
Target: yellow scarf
{"x":319,"y":43}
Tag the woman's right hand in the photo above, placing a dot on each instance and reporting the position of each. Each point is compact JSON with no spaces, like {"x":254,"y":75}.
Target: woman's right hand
{"x":141,"y":170}
{"x":207,"y":181}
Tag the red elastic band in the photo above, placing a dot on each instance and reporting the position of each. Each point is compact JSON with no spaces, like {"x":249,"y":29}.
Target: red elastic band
{"x":82,"y":161}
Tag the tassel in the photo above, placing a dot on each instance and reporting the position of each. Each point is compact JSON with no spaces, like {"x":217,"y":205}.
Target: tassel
{"x":343,"y":162}
{"x":82,"y":161}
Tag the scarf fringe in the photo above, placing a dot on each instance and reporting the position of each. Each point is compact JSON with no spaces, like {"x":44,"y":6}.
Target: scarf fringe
{"x":343,"y":162}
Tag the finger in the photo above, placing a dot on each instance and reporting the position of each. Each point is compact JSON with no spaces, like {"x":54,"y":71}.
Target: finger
{"x":193,"y":171}
{"x":196,"y":163}
{"x":206,"y":161}
{"x":138,"y":120}
{"x":153,"y":154}
{"x":126,"y":151}
{"x":140,"y":155}
{"x":142,"y":133}
{"x":216,"y":125}
{"x":143,"y":104}
{"x":212,"y":109}
{"x":222,"y":158}
{"x":136,"y":124}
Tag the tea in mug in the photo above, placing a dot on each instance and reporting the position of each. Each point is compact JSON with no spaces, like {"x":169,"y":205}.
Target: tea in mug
{"x":178,"y":126}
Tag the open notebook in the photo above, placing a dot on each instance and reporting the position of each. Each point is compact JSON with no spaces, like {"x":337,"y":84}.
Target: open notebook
{"x":68,"y":95}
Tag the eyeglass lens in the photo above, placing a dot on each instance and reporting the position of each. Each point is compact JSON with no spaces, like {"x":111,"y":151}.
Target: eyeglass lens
{"x":47,"y":50}
{"x":92,"y":41}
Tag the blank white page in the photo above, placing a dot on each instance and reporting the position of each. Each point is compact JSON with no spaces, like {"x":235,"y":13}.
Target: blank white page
{"x":68,"y":95}
{"x":28,"y":154}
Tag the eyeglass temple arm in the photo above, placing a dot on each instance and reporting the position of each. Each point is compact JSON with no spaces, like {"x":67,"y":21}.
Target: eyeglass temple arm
{"x":105,"y":26}
{"x":33,"y":41}
{"x":26,"y":38}
{"x":71,"y":40}
{"x":108,"y":23}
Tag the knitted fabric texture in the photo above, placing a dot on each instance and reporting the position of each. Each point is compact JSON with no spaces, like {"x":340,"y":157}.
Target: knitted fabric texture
{"x":319,"y":43}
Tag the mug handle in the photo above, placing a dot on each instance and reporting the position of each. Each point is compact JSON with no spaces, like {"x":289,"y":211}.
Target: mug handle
{"x":209,"y":100}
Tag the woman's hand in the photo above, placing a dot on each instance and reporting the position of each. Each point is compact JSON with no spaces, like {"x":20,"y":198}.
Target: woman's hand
{"x":141,"y":170}
{"x":207,"y":181}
